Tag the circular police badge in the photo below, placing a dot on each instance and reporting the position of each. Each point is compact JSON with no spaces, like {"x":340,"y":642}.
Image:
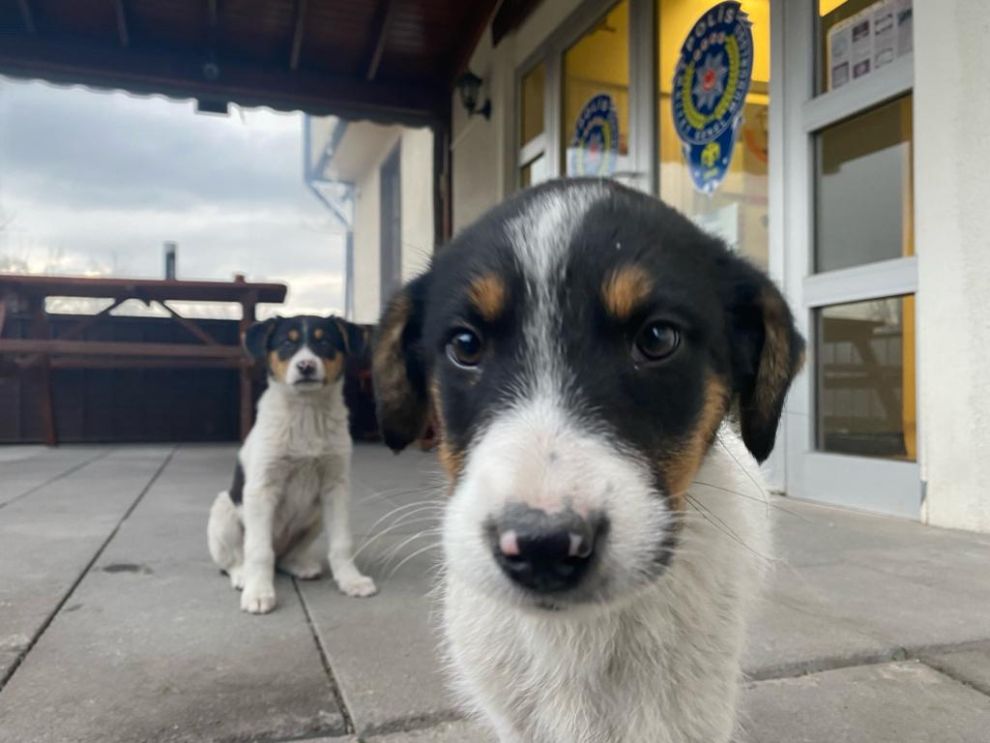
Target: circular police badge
{"x":594,"y":148}
{"x":711,"y":81}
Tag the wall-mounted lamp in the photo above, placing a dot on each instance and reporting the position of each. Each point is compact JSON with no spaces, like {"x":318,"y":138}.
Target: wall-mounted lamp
{"x":469,"y":85}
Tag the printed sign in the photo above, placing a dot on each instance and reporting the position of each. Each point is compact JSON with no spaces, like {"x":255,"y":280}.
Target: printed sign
{"x":867,"y":41}
{"x":710,"y":86}
{"x":594,"y":148}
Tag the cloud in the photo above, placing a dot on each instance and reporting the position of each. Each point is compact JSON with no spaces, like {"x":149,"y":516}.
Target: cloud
{"x":95,"y":182}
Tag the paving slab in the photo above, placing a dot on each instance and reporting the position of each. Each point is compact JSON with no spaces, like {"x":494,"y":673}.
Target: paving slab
{"x":970,"y":665}
{"x":50,"y":537}
{"x":152,"y":645}
{"x":888,"y":703}
{"x":25,"y":469}
{"x":787,"y":641}
{"x":384,"y":649}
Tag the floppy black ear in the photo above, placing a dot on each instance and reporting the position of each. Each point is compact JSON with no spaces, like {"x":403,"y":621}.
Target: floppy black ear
{"x":256,"y":338}
{"x":398,"y":367}
{"x":767,"y":352}
{"x":352,"y":337}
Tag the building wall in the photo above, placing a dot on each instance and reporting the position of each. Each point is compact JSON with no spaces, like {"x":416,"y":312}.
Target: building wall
{"x":416,"y":173}
{"x":483,"y":158}
{"x":367,"y":249}
{"x":951,"y":109}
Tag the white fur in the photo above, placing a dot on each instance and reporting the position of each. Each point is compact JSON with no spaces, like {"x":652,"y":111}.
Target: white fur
{"x":644,"y":657}
{"x":657,"y":660}
{"x":296,"y":464}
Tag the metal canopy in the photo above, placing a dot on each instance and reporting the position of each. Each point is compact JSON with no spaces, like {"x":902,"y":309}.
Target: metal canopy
{"x":392,"y":61}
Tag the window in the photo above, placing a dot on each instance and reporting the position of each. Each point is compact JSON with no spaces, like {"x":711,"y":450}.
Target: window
{"x":866,"y":384}
{"x":864,"y":194}
{"x":738,"y":210}
{"x":595,"y":115}
{"x":532,"y":126}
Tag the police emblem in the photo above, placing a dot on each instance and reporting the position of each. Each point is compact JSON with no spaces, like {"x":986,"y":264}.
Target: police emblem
{"x":710,"y":86}
{"x":594,"y":147}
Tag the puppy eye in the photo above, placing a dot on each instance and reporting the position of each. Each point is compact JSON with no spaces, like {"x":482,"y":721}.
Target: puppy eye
{"x":657,"y":341}
{"x":464,"y":348}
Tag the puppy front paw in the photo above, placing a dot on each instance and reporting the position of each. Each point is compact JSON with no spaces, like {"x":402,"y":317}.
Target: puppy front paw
{"x":258,"y":599}
{"x":357,"y":586}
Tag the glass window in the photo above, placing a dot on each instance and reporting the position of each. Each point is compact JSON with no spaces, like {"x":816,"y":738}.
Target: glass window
{"x":531,"y":109}
{"x":595,"y":125}
{"x":864,"y":189}
{"x":858,"y":37}
{"x":866,"y":379}
{"x":737,"y":211}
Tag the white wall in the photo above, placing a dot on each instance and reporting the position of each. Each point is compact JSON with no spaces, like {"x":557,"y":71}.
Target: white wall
{"x":952,"y":190}
{"x":416,"y":173}
{"x":483,"y":158}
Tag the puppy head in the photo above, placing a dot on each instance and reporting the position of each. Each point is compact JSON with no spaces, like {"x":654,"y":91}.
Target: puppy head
{"x":303,"y":353}
{"x":581,"y":345}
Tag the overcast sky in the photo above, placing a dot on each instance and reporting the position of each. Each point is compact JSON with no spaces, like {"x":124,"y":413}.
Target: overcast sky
{"x":95,"y":182}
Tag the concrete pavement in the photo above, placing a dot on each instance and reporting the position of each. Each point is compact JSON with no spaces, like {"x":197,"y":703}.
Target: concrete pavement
{"x":115,"y":626}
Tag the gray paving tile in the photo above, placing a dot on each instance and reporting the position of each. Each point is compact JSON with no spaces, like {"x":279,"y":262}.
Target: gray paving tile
{"x":24,"y":469}
{"x":50,"y":537}
{"x":152,"y":644}
{"x":970,"y":665}
{"x":889,"y":703}
{"x":384,"y":649}
{"x":784,"y":641}
{"x":448,"y":732}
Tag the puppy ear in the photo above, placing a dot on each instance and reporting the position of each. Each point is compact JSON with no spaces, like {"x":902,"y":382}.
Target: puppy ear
{"x":767,"y":352}
{"x":256,"y":338}
{"x":352,"y":336}
{"x":398,"y":367}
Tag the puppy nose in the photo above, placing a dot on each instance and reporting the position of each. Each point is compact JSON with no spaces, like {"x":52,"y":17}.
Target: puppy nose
{"x":306,"y":367}
{"x":545,"y":552}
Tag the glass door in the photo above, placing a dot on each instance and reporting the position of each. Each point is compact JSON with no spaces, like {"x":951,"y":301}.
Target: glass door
{"x":852,"y":420}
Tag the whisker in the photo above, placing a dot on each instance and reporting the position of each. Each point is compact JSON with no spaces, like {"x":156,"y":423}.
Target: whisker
{"x":417,"y":553}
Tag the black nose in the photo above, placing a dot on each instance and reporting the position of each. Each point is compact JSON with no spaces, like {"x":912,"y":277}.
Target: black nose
{"x":544,"y":552}
{"x":306,"y":367}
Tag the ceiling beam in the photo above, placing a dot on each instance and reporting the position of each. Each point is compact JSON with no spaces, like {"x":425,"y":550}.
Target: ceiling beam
{"x":182,"y":76}
{"x":474,"y":28}
{"x":123,"y":34}
{"x":298,"y":29}
{"x":27,"y":16}
{"x":379,"y":35}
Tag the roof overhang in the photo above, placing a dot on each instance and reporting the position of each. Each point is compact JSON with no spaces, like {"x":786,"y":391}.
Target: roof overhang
{"x":388,"y":61}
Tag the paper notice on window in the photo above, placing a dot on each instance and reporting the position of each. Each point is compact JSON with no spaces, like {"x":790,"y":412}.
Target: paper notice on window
{"x":867,"y":41}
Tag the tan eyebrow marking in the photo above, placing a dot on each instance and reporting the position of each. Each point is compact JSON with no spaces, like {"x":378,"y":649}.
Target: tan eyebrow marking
{"x":488,"y":293}
{"x":318,"y":333}
{"x":623,"y":289}
{"x":293,"y":335}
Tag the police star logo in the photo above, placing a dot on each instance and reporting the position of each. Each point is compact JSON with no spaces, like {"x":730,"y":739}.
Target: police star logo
{"x":709,"y":81}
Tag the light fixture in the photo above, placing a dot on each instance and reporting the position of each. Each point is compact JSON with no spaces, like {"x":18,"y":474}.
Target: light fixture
{"x":469,"y":85}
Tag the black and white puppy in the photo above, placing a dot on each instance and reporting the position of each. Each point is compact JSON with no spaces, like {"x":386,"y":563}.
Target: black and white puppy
{"x":293,"y":471}
{"x":606,"y":377}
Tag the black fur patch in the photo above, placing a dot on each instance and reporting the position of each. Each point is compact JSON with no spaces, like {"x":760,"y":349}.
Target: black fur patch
{"x":236,"y":491}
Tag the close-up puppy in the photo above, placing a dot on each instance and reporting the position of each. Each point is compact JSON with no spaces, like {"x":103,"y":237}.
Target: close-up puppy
{"x":293,"y":471}
{"x":605,"y":378}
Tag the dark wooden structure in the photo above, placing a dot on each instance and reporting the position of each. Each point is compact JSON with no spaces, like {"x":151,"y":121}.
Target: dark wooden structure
{"x":41,"y":351}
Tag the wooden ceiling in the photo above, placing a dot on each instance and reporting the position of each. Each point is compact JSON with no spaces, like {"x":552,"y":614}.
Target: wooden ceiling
{"x":386,"y":60}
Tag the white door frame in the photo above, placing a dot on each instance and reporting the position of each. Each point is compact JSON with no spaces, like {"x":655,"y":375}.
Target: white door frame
{"x":860,"y":482}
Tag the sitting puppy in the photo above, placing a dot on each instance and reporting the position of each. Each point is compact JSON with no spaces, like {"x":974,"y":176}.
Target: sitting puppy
{"x":605,"y":377}
{"x":294,"y":468}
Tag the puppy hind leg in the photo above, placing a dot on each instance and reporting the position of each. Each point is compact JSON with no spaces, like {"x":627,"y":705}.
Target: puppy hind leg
{"x":303,"y":560}
{"x":225,"y":539}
